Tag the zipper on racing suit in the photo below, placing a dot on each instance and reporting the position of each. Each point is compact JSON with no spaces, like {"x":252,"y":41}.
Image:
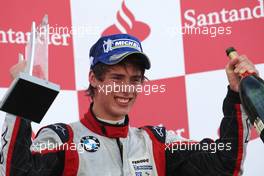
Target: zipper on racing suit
{"x":120,"y":147}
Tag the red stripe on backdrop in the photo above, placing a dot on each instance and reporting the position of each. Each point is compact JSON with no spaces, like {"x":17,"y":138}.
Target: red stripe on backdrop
{"x":15,"y":21}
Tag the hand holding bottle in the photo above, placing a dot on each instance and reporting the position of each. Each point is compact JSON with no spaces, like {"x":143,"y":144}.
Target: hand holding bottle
{"x":236,"y":68}
{"x":250,"y":87}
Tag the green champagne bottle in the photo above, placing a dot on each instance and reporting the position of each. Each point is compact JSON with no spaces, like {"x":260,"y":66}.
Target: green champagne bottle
{"x":251,"y":91}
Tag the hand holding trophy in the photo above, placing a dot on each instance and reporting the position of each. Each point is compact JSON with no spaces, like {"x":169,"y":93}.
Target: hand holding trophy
{"x":31,"y":94}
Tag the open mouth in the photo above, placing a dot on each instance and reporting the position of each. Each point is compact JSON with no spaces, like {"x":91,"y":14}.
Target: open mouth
{"x":122,"y":101}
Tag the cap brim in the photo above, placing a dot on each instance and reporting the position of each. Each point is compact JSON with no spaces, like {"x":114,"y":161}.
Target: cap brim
{"x":114,"y":59}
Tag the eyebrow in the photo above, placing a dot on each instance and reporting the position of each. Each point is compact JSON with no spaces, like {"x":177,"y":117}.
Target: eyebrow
{"x":117,"y":74}
{"x":122,"y":75}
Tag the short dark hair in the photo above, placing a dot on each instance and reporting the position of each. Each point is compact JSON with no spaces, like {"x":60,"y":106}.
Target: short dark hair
{"x":100,"y":69}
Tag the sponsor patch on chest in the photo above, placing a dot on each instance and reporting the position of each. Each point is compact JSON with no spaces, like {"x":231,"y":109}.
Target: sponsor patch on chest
{"x":90,"y":143}
{"x":141,"y":166}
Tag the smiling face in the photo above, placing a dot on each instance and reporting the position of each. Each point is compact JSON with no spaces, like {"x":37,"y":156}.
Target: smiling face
{"x":114,"y":95}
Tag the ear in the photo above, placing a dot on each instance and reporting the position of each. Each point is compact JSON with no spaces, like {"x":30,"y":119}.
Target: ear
{"x":92,"y":79}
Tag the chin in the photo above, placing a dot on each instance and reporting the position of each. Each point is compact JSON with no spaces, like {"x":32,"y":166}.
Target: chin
{"x":119,"y":112}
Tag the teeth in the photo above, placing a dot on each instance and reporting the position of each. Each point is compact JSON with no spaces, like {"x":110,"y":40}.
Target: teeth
{"x":123,"y":100}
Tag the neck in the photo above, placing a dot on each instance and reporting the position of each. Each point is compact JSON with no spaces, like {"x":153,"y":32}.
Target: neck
{"x":105,"y":129}
{"x":104,"y":116}
{"x":114,"y":122}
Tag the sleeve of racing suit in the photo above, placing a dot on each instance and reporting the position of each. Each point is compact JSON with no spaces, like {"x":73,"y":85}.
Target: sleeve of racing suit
{"x":224,"y":156}
{"x":19,"y":156}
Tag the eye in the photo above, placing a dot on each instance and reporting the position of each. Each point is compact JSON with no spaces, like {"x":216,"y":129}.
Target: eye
{"x":116,"y":78}
{"x":136,"y":80}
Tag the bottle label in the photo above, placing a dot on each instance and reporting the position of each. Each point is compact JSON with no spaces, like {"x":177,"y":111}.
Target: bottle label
{"x":259,"y":125}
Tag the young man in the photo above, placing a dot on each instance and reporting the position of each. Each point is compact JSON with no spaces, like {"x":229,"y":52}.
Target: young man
{"x":103,"y":143}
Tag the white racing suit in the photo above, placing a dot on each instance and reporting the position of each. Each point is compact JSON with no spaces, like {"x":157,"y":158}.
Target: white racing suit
{"x":90,"y":147}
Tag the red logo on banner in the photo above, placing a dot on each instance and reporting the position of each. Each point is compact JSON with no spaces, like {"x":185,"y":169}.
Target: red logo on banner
{"x":126,"y":23}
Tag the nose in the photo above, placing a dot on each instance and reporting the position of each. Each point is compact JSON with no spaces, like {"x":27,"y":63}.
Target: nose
{"x":127,"y":87}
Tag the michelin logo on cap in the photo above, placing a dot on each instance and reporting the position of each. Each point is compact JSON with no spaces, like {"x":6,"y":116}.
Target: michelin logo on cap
{"x":110,"y":45}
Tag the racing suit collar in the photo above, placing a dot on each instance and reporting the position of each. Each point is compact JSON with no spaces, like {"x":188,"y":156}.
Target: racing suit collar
{"x":103,"y":128}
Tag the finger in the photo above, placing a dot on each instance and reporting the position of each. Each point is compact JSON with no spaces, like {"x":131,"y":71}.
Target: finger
{"x":246,"y":68}
{"x":242,"y":71}
{"x":240,"y":65}
{"x":234,"y":61}
{"x":231,"y":64}
{"x":20,"y":57}
{"x":252,"y":71}
{"x":244,"y":63}
{"x":242,"y":58}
